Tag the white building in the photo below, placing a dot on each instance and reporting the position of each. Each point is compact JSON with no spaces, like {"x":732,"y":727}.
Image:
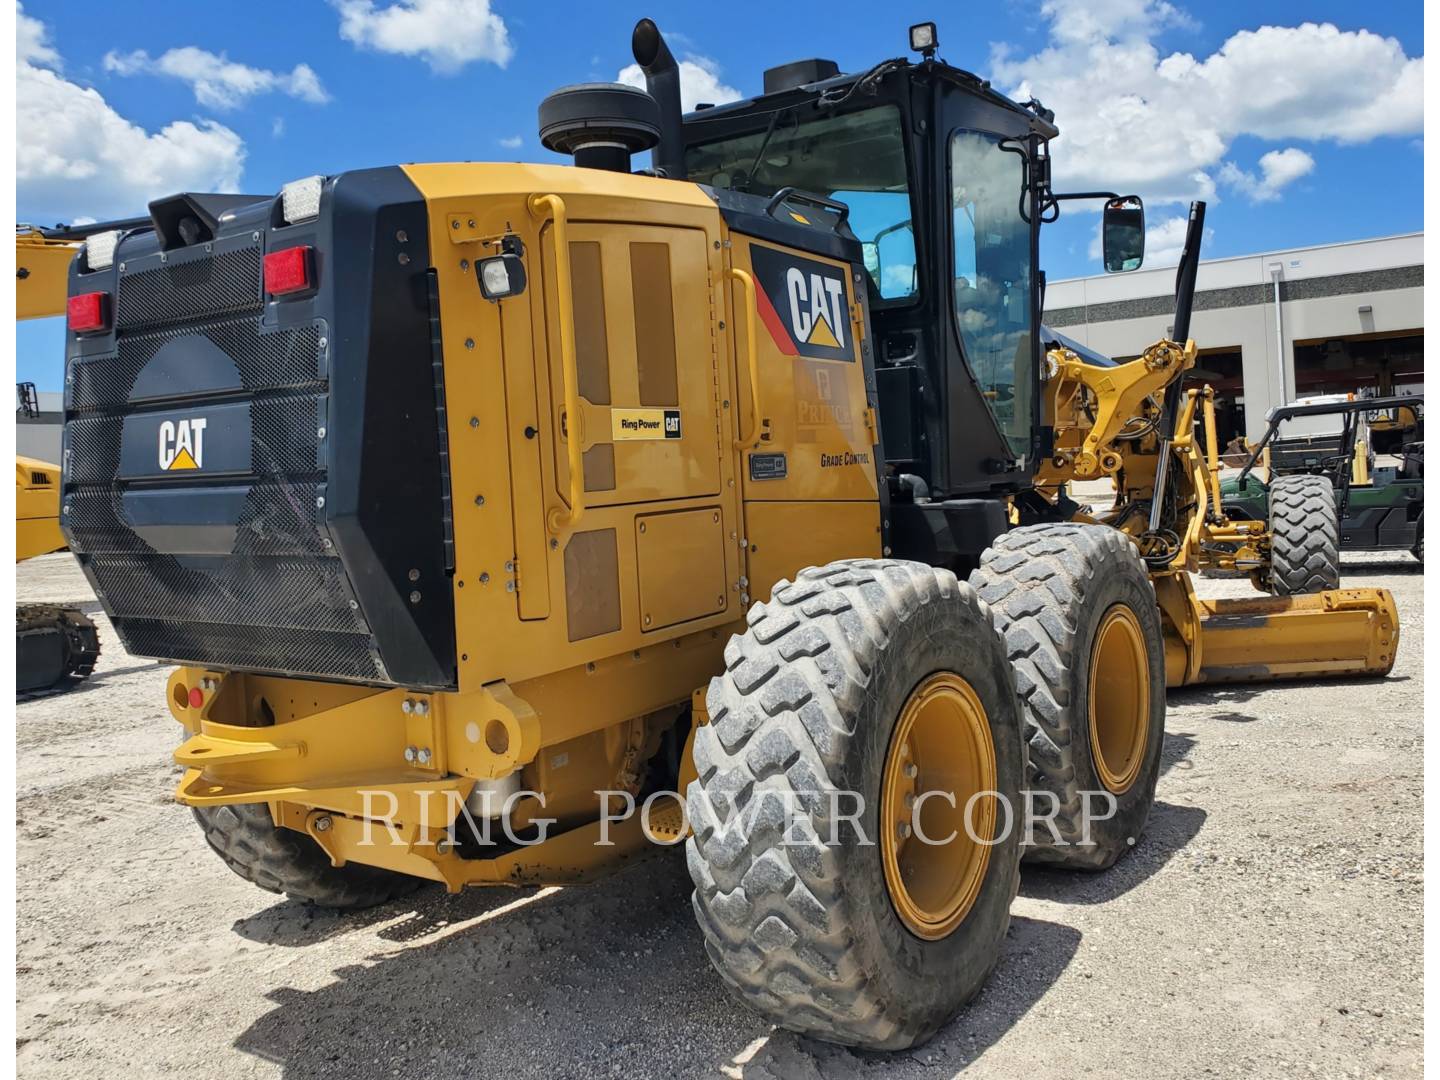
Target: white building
{"x":1270,"y":327}
{"x":39,"y":436}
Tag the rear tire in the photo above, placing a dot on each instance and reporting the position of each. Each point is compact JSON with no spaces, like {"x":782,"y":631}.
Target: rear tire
{"x":808,"y":933}
{"x":1058,"y":590}
{"x":285,"y":861}
{"x":1304,"y":536}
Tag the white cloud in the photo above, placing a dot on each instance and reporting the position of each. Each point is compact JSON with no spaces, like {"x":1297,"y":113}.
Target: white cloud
{"x":511,"y":142}
{"x":1134,"y":120}
{"x":31,"y":45}
{"x":79,"y":156}
{"x":699,"y":82}
{"x":1164,"y":241}
{"x":218,"y":81}
{"x":447,"y":34}
{"x":1277,"y":169}
{"x":1098,"y":19}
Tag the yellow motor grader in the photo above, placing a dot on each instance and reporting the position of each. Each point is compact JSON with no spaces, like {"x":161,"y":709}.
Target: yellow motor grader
{"x":482,"y":504}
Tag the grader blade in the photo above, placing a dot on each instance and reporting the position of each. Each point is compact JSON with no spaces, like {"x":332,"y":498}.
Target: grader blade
{"x":1336,"y":633}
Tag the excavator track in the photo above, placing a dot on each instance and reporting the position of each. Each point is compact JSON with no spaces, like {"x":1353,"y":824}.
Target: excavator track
{"x":55,"y":647}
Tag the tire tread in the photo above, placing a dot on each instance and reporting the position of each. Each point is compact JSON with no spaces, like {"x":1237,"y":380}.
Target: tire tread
{"x":287,"y":862}
{"x":774,"y":916}
{"x":1304,"y":535}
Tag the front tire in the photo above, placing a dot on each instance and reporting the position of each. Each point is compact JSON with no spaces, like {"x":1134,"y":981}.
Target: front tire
{"x":835,"y":679}
{"x":1083,"y":631}
{"x":1304,"y":535}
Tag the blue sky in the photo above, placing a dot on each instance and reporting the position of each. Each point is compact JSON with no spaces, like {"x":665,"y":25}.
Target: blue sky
{"x":133,"y":101}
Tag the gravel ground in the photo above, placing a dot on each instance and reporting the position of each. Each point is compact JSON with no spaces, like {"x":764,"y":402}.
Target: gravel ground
{"x":1268,"y":924}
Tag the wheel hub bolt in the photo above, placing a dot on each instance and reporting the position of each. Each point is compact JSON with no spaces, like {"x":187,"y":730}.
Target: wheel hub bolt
{"x":911,"y":770}
{"x":904,"y":830}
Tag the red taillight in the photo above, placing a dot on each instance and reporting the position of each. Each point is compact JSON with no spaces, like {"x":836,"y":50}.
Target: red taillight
{"x":87,"y":312}
{"x":197,"y":697}
{"x":288,"y":271}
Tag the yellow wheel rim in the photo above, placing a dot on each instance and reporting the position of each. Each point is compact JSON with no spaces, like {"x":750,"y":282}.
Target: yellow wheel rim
{"x":1119,"y":699}
{"x":941,"y":745}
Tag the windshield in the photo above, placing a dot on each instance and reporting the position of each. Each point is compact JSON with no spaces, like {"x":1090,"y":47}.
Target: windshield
{"x":992,"y":277}
{"x":857,"y":158}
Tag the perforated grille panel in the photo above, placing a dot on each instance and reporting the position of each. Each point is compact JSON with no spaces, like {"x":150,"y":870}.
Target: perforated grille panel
{"x":342,"y":656}
{"x":257,"y":483}
{"x":308,"y":594}
{"x":284,"y":433}
{"x":279,"y":519}
{"x":278,"y":599}
{"x":277,"y":359}
{"x":190,"y":290}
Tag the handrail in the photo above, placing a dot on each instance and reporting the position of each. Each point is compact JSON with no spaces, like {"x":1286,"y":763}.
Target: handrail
{"x":553,"y":207}
{"x":752,"y":313}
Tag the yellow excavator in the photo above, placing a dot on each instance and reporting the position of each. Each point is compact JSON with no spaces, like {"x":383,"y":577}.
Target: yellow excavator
{"x":55,"y":646}
{"x":505,"y":519}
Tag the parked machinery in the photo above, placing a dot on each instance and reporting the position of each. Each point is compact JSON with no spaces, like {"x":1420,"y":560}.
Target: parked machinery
{"x":1323,"y":488}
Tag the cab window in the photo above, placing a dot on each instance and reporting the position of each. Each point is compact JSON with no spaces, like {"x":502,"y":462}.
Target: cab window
{"x":857,"y":158}
{"x":992,"y":276}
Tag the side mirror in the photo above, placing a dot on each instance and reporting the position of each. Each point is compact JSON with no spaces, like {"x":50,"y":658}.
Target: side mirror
{"x":1123,"y":234}
{"x":894,"y":272}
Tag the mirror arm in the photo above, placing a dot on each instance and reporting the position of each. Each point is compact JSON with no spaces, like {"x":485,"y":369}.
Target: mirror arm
{"x":1083,"y":195}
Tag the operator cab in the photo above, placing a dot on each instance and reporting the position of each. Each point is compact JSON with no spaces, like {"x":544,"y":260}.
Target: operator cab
{"x":937,"y":173}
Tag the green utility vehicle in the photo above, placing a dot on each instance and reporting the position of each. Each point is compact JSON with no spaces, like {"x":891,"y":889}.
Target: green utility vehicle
{"x":1379,"y":508}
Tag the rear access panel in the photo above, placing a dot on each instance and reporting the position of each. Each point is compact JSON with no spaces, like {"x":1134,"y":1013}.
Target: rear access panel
{"x":680,"y":560}
{"x":645,"y":361}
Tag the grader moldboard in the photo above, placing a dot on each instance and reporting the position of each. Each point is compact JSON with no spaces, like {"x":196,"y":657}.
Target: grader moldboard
{"x":501,"y":485}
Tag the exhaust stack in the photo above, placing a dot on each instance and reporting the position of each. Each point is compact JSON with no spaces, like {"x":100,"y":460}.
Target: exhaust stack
{"x":662,"y":79}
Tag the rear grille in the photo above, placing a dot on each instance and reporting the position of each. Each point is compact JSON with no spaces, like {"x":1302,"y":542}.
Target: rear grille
{"x":279,"y":359}
{"x":296,"y":594}
{"x":281,"y":600}
{"x":191,"y":290}
{"x":284,"y":434}
{"x":280,"y":518}
{"x":297,"y":511}
{"x":304,"y":652}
